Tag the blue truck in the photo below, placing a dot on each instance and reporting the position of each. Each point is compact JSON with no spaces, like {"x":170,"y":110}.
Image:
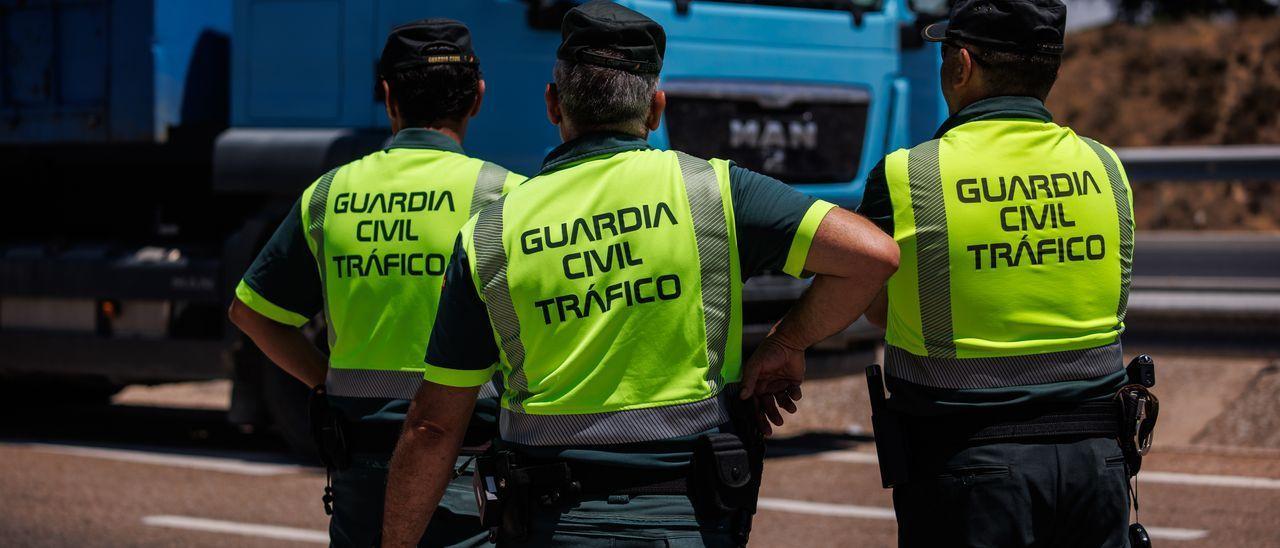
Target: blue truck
{"x":154,"y":145}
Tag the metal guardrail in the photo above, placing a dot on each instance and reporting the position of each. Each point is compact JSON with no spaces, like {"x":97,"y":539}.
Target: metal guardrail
{"x":1201,"y":163}
{"x":1183,"y":281}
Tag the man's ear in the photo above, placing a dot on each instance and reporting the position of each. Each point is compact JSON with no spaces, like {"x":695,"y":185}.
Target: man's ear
{"x":393,"y":110}
{"x":656,"y":108}
{"x":554,"y":114}
{"x":475,"y":106}
{"x":964,"y":67}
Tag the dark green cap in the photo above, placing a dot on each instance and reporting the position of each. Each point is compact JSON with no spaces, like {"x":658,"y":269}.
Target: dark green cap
{"x":601,"y":24}
{"x":1029,"y":26}
{"x":426,"y":42}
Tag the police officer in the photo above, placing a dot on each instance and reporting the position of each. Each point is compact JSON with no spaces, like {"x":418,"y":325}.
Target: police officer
{"x":368,"y":244}
{"x":609,"y":287}
{"x":1003,"y":325}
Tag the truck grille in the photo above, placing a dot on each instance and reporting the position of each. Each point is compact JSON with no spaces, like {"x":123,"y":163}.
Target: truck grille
{"x":795,"y":133}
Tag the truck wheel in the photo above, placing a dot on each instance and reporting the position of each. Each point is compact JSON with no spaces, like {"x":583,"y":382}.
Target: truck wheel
{"x":285,"y":400}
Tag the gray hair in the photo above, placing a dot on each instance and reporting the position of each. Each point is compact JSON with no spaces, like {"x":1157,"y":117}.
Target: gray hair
{"x":595,"y":98}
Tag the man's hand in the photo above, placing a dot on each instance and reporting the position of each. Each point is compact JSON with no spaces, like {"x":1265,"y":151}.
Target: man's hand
{"x":774,"y":366}
{"x":852,"y":259}
{"x":772,"y":376}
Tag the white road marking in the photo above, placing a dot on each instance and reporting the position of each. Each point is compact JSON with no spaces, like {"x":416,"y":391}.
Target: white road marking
{"x":1176,"y":478}
{"x":1150,"y":476}
{"x":873,"y":512}
{"x":237,"y":528}
{"x":1175,"y":533}
{"x":857,"y":457}
{"x":229,"y":465}
{"x":826,"y":509}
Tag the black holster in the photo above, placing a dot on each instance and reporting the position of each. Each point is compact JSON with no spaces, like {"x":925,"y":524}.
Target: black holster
{"x":506,"y":488}
{"x":723,"y":481}
{"x":1139,"y":409}
{"x":722,"y":457}
{"x":722,"y":474}
{"x":327,"y":430}
{"x":502,"y":495}
{"x":331,"y":441}
{"x":890,"y":435}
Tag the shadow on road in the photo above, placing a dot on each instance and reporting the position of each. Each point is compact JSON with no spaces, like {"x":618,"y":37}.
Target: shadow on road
{"x":814,"y":442}
{"x":153,"y":429}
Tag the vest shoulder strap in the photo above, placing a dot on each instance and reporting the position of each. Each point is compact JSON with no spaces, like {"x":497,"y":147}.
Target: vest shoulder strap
{"x":1124,"y":217}
{"x":314,"y":208}
{"x":933,"y":247}
{"x":488,"y":188}
{"x":490,"y":265}
{"x":711,"y":234}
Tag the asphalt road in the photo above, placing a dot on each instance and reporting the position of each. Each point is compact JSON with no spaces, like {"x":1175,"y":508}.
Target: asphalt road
{"x":134,"y":475}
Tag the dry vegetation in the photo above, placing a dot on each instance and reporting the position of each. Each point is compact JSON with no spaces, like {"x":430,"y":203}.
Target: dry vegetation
{"x":1197,"y":82}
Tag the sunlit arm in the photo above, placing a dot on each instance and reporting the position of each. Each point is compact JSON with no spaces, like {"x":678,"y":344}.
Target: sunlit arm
{"x":851,"y":259}
{"x":878,"y":312}
{"x":287,"y":346}
{"x":422,"y":465}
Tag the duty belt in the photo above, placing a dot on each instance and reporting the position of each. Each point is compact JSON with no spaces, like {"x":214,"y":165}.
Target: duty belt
{"x":554,"y":481}
{"x":722,"y":481}
{"x":1092,"y":419}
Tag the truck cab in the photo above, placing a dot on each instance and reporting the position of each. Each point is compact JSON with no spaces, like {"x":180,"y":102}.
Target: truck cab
{"x":811,"y":92}
{"x":154,"y":146}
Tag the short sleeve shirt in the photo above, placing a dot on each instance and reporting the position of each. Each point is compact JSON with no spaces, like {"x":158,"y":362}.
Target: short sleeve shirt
{"x":283,"y":282}
{"x":921,"y":400}
{"x":775,"y":225}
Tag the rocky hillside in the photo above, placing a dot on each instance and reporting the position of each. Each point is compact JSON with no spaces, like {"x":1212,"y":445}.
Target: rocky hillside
{"x":1192,"y":83}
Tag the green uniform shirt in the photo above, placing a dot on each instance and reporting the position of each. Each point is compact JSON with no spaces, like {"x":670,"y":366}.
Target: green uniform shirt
{"x":284,"y":284}
{"x":921,"y":400}
{"x":775,"y":226}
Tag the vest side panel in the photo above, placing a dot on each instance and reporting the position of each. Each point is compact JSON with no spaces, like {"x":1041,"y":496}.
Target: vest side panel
{"x":733,"y":352}
{"x":391,"y":221}
{"x":607,"y":287}
{"x":903,"y":329}
{"x":1033,"y":240}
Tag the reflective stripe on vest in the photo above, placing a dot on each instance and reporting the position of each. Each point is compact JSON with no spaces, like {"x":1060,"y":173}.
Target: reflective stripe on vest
{"x":488,"y":187}
{"x":316,"y":208}
{"x":373,"y":383}
{"x":711,"y":232}
{"x":491,"y":267}
{"x":924,"y":178}
{"x":633,"y":425}
{"x":1120,"y":189}
{"x":376,"y":233}
{"x":713,"y":276}
{"x":1016,"y":263}
{"x":967,"y":373}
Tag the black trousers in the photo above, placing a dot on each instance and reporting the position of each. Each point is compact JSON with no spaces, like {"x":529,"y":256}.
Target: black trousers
{"x":358,"y":494}
{"x":1055,"y":493}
